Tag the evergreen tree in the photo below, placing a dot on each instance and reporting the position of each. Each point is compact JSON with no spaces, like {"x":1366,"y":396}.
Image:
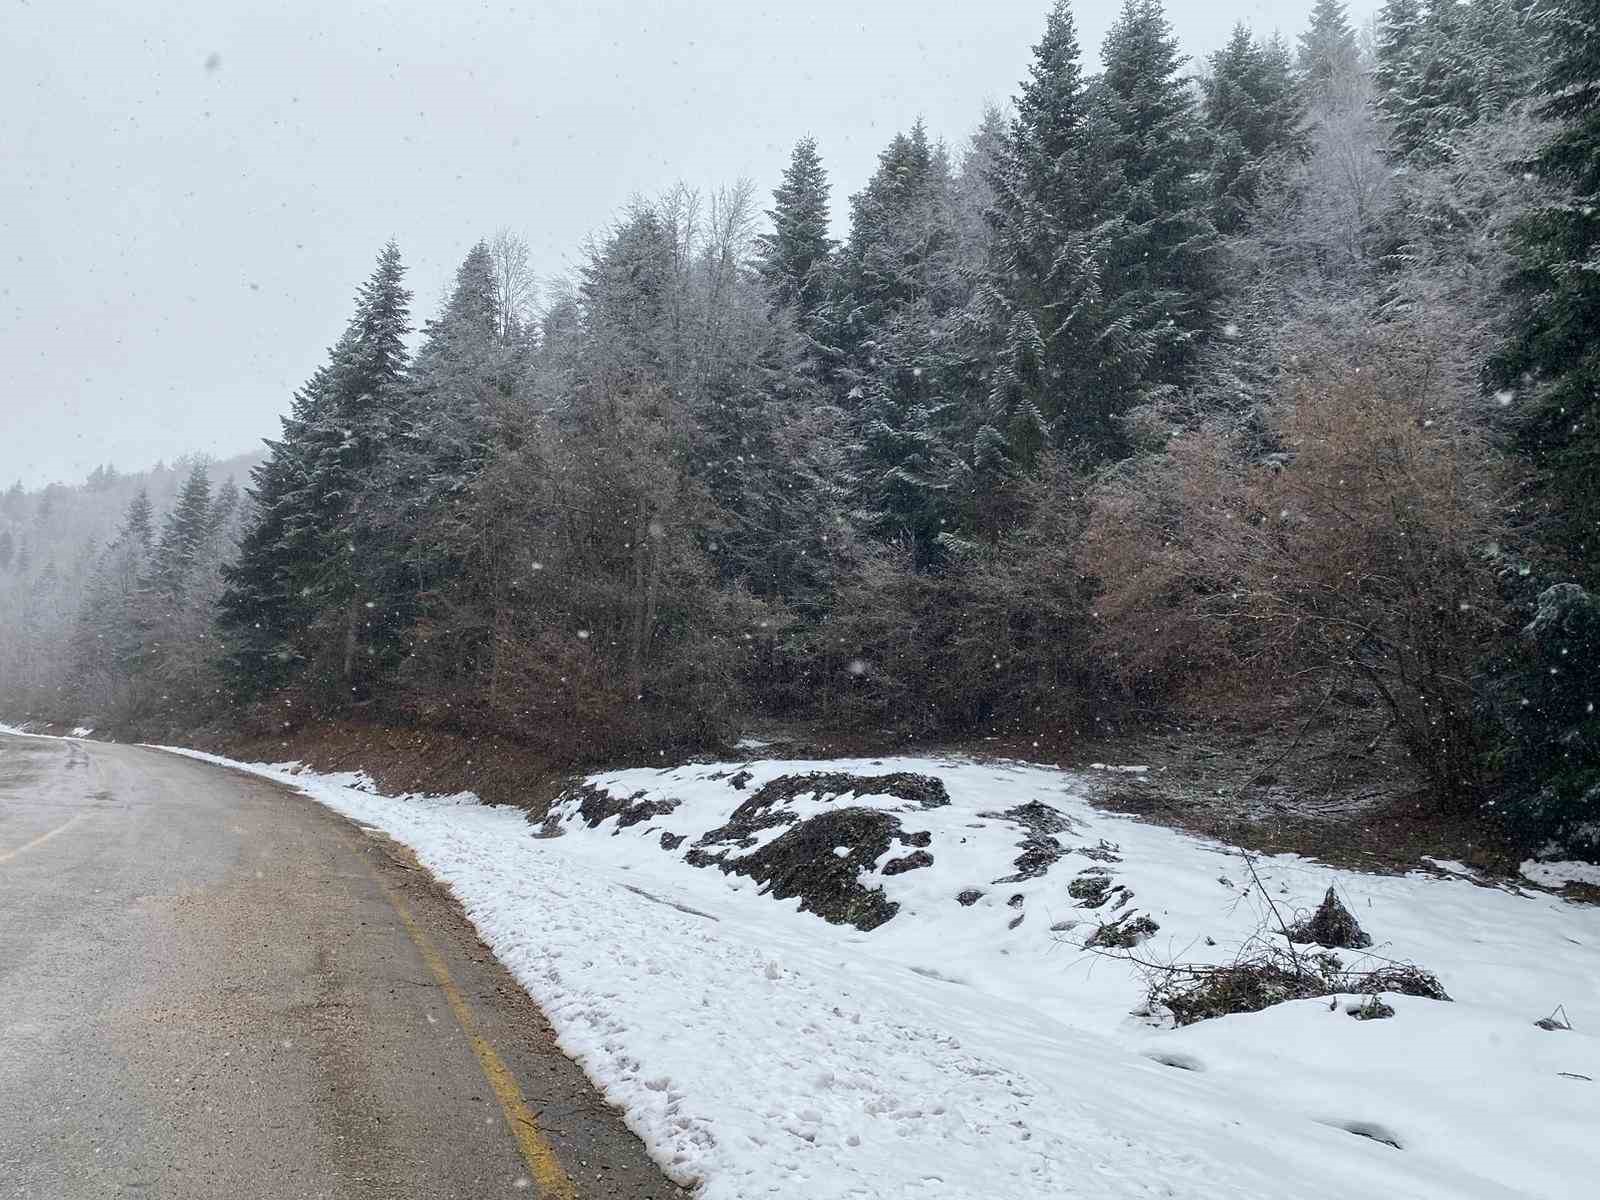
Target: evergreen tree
{"x":8,"y":548}
{"x":138,"y":524}
{"x":1159,"y":284}
{"x":1254,"y":118}
{"x":108,"y":645}
{"x":795,"y":258}
{"x":624,"y":290}
{"x":902,"y":292}
{"x":1328,"y":52}
{"x":1503,"y":56}
{"x":299,"y":589}
{"x":224,"y":509}
{"x":184,"y":534}
{"x":1042,"y":268}
{"x":1400,"y":37}
{"x":463,"y":377}
{"x":1445,"y":66}
{"x":465,"y":366}
{"x":974,"y":190}
{"x":1554,"y":359}
{"x":1105,"y":275}
{"x":264,"y":606}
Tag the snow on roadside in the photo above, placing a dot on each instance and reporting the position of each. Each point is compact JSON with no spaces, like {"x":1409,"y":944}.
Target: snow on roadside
{"x":957,"y":1052}
{"x":1554,"y":874}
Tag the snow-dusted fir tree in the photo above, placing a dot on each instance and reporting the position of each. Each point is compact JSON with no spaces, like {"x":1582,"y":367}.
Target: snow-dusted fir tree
{"x":902,"y":291}
{"x":1328,"y":52}
{"x":107,"y":643}
{"x":1254,"y":118}
{"x":1159,"y":275}
{"x":1444,"y":66}
{"x":457,"y":392}
{"x":1554,"y":360}
{"x":1043,"y":268}
{"x":225,"y":510}
{"x":184,"y":533}
{"x":464,"y":368}
{"x":795,"y":257}
{"x":974,"y":189}
{"x":298,"y":589}
{"x":138,"y":525}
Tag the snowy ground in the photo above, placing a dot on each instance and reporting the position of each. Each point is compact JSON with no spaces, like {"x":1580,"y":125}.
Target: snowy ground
{"x":955,"y":1052}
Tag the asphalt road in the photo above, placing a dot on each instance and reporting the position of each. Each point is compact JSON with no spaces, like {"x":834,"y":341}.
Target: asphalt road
{"x":213,"y":987}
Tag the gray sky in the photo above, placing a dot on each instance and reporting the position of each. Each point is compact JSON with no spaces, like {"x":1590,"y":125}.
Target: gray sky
{"x":194,"y":188}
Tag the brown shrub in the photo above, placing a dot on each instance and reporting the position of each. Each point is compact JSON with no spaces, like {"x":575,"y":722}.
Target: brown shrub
{"x":1360,"y":543}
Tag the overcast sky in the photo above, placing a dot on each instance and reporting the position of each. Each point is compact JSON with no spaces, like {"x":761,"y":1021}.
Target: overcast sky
{"x":193,"y":189}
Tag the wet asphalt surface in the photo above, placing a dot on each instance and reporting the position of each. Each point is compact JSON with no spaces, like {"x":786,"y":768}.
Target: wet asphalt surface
{"x":207,"y":989}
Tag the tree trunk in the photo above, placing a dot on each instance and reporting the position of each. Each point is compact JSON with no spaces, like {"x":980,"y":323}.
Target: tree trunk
{"x":352,"y":615}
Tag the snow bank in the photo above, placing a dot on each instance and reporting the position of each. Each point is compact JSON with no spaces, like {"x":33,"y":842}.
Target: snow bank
{"x":956,"y":1051}
{"x":1554,"y":874}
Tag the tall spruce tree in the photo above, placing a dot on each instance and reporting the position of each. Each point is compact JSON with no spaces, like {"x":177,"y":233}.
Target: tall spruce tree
{"x":1445,"y":65}
{"x":1159,"y":282}
{"x":795,"y":257}
{"x":184,"y":534}
{"x":1254,"y":117}
{"x":1554,"y":360}
{"x":1042,"y":271}
{"x":466,"y":365}
{"x":138,"y":524}
{"x":456,"y":395}
{"x":298,"y":590}
{"x":902,"y":293}
{"x":1328,"y":52}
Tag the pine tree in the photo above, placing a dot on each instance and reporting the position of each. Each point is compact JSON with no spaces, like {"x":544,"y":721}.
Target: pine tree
{"x":974,"y":189}
{"x":1328,"y":52}
{"x":8,"y":548}
{"x":1554,"y":359}
{"x":1503,"y":56}
{"x":901,"y":293}
{"x":264,"y":608}
{"x":464,"y":368}
{"x":456,"y":392}
{"x":624,"y":291}
{"x":1042,"y":269}
{"x":184,"y":533}
{"x":108,"y":646}
{"x":796,"y":257}
{"x":1159,"y":284}
{"x":1444,"y":66}
{"x":1400,"y":37}
{"x":1254,"y":118}
{"x":224,"y":509}
{"x":299,"y":588}
{"x":139,"y":523}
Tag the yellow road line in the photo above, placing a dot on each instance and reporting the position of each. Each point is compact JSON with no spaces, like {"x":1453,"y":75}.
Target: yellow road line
{"x":536,"y":1152}
{"x":8,"y":855}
